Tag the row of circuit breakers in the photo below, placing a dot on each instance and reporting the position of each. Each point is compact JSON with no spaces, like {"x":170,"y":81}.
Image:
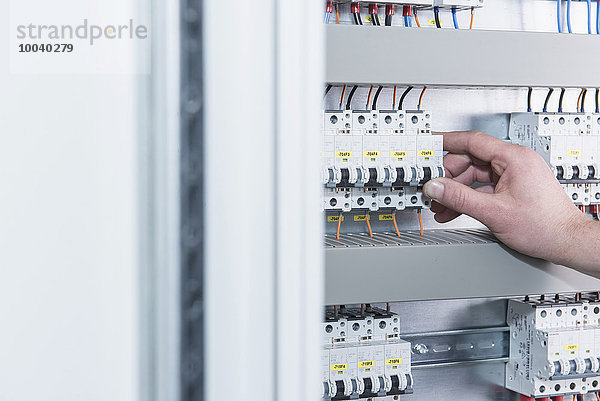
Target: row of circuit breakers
{"x":374,"y":160}
{"x":554,"y":350}
{"x":425,"y":3}
{"x":570,"y":144}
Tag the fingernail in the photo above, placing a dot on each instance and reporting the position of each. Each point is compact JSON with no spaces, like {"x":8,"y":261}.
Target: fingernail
{"x":434,"y":189}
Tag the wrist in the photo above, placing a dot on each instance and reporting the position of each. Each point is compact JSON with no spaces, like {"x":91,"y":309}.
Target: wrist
{"x":579,"y":247}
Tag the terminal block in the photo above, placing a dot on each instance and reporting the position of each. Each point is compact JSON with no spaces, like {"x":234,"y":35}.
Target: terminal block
{"x":446,"y":4}
{"x":554,"y":347}
{"x":570,"y":144}
{"x":363,"y":356}
{"x":374,"y":160}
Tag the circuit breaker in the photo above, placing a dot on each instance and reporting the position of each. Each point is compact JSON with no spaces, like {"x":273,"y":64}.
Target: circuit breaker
{"x":378,"y":159}
{"x":570,"y":144}
{"x":363,"y":355}
{"x":554,"y":347}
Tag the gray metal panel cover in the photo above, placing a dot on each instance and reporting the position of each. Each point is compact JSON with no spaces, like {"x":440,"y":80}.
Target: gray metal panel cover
{"x":422,"y":272}
{"x":396,"y":55}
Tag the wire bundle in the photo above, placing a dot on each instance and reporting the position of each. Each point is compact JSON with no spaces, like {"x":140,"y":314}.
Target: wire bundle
{"x":407,"y":13}
{"x":374,"y":11}
{"x":328,"y":11}
{"x":390,"y":10}
{"x":355,"y":10}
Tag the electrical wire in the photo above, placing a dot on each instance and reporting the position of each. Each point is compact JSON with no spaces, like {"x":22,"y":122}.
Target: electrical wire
{"x":369,"y":226}
{"x":417,"y":18}
{"x":579,"y":99}
{"x":529,"y":99}
{"x":394,"y":98}
{"x":597,"y":100}
{"x":454,"y":18}
{"x":436,"y":14}
{"x":598,"y":17}
{"x":545,"y":109}
{"x":376,"y":97}
{"x":559,"y":15}
{"x":569,"y":16}
{"x":395,"y":225}
{"x":472,"y":17}
{"x":589,"y":15}
{"x":337,"y":236}
{"x":597,"y":396}
{"x":560,"y":100}
{"x":421,"y":98}
{"x":327,"y":90}
{"x":350,"y":96}
{"x":420,"y":221}
{"x":374,"y":19}
{"x":337,"y":14}
{"x":390,"y":10}
{"x":342,"y":98}
{"x":403,"y":96}
{"x":583,"y":101}
{"x":328,"y":11}
{"x":369,"y":98}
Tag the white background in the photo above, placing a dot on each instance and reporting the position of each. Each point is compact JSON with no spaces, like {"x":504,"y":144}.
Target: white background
{"x":69,"y":314}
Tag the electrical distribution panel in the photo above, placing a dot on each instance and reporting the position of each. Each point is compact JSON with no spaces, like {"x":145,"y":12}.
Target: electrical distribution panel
{"x":554,"y":347}
{"x":570,"y":144}
{"x":363,"y":355}
{"x":378,"y":159}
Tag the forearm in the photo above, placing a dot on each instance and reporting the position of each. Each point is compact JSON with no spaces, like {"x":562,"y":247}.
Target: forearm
{"x":581,"y":249}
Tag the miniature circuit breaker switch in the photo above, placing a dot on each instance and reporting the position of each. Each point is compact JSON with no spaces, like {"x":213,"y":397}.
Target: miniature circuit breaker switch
{"x":363,"y":356}
{"x":570,"y":145}
{"x":554,"y":347}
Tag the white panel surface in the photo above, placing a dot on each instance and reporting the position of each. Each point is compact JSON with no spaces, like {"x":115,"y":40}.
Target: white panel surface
{"x":68,"y":235}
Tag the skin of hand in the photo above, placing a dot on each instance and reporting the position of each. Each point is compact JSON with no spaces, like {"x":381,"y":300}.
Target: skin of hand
{"x":522,"y":204}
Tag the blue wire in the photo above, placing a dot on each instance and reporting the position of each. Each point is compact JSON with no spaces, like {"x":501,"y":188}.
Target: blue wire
{"x":409,"y":21}
{"x":589,"y":10}
{"x":569,"y":16}
{"x":454,"y":18}
{"x":406,"y":21}
{"x":598,"y":17}
{"x":559,"y":15}
{"x":325,"y":18}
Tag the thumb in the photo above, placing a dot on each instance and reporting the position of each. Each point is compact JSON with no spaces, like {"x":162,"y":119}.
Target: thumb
{"x":459,"y":197}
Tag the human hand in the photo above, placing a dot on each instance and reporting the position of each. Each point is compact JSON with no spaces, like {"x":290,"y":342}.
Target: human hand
{"x":523,"y":205}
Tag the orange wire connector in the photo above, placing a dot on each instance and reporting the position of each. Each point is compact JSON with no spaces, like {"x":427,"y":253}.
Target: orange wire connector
{"x":369,"y":226}
{"x":337,"y":236}
{"x":472,"y":17}
{"x":416,"y":18}
{"x":420,"y":221}
{"x":395,"y":225}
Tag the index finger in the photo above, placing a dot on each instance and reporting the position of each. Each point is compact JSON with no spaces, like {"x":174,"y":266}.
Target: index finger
{"x":474,"y":143}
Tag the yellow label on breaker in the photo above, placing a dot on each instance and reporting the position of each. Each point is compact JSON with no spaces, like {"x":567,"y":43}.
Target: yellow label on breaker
{"x":572,"y":347}
{"x":339,"y":366}
{"x":386,"y":217}
{"x":343,"y":154}
{"x":398,"y":153}
{"x":360,"y":218}
{"x":394,"y":361}
{"x":366,"y":364}
{"x":426,"y":152}
{"x":371,"y":153}
{"x":432,"y":22}
{"x":334,"y":219}
{"x":574,"y":152}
